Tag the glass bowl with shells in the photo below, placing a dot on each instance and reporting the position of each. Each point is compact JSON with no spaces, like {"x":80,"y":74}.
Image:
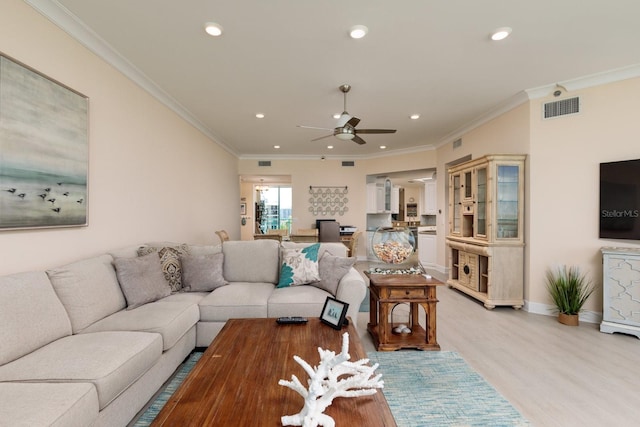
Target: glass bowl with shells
{"x":393,"y":245}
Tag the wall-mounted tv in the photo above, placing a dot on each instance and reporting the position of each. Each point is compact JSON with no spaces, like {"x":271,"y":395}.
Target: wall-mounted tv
{"x":620,"y":200}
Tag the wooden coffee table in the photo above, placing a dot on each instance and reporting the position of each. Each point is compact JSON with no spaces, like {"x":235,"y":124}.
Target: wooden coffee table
{"x":235,"y":383}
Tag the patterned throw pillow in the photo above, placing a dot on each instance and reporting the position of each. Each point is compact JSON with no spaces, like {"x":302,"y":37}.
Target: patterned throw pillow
{"x":170,"y":260}
{"x":299,"y":266}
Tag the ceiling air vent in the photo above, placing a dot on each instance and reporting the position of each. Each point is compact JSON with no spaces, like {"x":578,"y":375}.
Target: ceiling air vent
{"x":457,"y":143}
{"x":560,"y":108}
{"x":348,"y":163}
{"x":264,"y":162}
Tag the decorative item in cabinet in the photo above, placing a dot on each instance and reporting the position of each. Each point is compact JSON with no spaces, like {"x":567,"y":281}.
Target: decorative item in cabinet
{"x":486,"y":229}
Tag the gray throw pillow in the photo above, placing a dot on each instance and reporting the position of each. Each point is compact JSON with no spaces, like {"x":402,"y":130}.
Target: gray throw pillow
{"x":170,"y":259}
{"x":141,"y":279}
{"x":332,"y":269}
{"x":202,"y":273}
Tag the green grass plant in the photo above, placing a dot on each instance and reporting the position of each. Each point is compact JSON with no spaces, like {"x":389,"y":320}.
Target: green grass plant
{"x":569,"y":289}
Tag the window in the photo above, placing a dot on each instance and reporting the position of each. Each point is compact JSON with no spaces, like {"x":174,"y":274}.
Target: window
{"x":273,"y":208}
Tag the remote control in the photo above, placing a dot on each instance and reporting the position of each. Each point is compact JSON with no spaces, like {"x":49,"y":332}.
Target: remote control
{"x":291,"y":320}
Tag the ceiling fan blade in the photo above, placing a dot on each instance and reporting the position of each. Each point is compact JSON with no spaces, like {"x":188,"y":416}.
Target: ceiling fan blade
{"x":353,"y":121}
{"x":322,"y":137}
{"x":375,"y":130}
{"x":358,"y":140}
{"x":313,"y":127}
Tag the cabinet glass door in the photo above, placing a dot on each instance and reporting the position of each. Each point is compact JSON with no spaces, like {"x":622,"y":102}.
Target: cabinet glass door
{"x":507,"y":204}
{"x":468,"y":185}
{"x":481,"y":202}
{"x":457,"y":204}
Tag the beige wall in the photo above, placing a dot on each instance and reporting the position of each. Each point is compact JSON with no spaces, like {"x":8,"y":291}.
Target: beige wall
{"x":152,"y":176}
{"x":564,"y":189}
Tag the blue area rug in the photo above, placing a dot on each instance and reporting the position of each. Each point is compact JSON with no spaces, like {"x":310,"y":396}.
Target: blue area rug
{"x":364,"y":307}
{"x":438,"y":388}
{"x":163,"y":397}
{"x":423,"y":388}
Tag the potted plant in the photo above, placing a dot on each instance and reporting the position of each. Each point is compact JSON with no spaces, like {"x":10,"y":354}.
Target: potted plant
{"x":569,"y":290}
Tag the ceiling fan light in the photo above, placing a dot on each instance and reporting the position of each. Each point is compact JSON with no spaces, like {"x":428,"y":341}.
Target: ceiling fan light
{"x":345,"y":136}
{"x":358,"y":31}
{"x":213,"y":29}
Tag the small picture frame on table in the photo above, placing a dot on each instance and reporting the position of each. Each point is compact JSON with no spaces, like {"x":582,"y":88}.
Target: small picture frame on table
{"x":334,"y":313}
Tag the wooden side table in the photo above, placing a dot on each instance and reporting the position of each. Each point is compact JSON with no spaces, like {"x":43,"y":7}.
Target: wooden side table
{"x":387,"y":290}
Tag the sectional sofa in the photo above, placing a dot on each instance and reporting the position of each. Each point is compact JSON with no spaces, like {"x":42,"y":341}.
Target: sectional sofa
{"x":89,"y":343}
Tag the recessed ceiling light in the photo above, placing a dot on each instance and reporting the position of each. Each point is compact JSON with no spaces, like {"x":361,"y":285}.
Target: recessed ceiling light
{"x":501,"y":33}
{"x":276,"y":146}
{"x":358,"y":31}
{"x":213,"y":29}
{"x":337,"y":115}
{"x":414,"y":116}
{"x":383,"y":147}
{"x":330,"y":147}
{"x":260,"y":116}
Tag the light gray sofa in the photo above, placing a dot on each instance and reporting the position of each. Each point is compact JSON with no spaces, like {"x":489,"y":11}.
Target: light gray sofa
{"x":72,"y":354}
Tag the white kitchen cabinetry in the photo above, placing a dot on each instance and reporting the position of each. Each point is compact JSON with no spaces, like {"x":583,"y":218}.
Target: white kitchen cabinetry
{"x":395,"y":199}
{"x":372,"y":198}
{"x":427,"y":249}
{"x":486,"y":243}
{"x":621,"y":292}
{"x":430,"y":198}
{"x":379,"y":195}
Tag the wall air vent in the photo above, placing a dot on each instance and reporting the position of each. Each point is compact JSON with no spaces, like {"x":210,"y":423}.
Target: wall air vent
{"x":264,"y":162}
{"x":457,"y":143}
{"x":348,"y":163}
{"x":562,"y":107}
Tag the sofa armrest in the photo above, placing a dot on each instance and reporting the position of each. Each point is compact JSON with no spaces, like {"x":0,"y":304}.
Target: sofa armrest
{"x":352,"y":289}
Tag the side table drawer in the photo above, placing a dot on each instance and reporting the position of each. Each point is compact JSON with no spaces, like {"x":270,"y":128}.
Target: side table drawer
{"x":406,"y":293}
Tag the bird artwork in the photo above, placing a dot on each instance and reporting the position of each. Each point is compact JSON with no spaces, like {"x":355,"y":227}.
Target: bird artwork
{"x":334,"y":377}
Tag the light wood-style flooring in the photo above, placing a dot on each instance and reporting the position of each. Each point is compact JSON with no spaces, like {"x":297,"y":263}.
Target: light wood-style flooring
{"x":555,"y":375}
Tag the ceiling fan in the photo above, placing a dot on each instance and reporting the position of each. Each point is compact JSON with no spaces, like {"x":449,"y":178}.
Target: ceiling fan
{"x":346,"y":129}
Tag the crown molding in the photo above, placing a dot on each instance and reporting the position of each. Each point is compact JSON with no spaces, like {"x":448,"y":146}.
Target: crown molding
{"x":69,"y":23}
{"x":584,"y":82}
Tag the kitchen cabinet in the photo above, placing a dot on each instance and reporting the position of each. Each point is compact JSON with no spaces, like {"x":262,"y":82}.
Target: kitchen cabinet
{"x":427,"y":249}
{"x":372,"y":198}
{"x":485,"y":241}
{"x":395,"y":199}
{"x":379,"y":196}
{"x":430,"y":198}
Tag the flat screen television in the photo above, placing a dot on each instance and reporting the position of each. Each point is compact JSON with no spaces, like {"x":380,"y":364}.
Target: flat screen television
{"x":620,"y":200}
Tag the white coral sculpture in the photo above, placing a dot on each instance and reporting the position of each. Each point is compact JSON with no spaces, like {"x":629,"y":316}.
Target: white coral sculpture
{"x":334,"y":377}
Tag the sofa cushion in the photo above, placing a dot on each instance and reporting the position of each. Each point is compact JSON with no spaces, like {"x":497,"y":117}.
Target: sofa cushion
{"x":236,"y":300}
{"x":170,"y":319}
{"x":331,"y":269}
{"x":141,"y":279}
{"x":31,"y":315}
{"x":111,"y":361}
{"x":47,"y":404}
{"x":262,"y":255}
{"x":202,"y":272}
{"x":306,"y":301}
{"x":88,"y":289}
{"x":170,"y":260}
{"x":299,"y":266}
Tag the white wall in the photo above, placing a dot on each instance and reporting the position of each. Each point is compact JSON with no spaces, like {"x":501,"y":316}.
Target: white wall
{"x":152,"y":176}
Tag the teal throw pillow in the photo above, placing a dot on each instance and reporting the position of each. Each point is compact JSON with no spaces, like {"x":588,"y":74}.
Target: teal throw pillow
{"x":299,"y":266}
